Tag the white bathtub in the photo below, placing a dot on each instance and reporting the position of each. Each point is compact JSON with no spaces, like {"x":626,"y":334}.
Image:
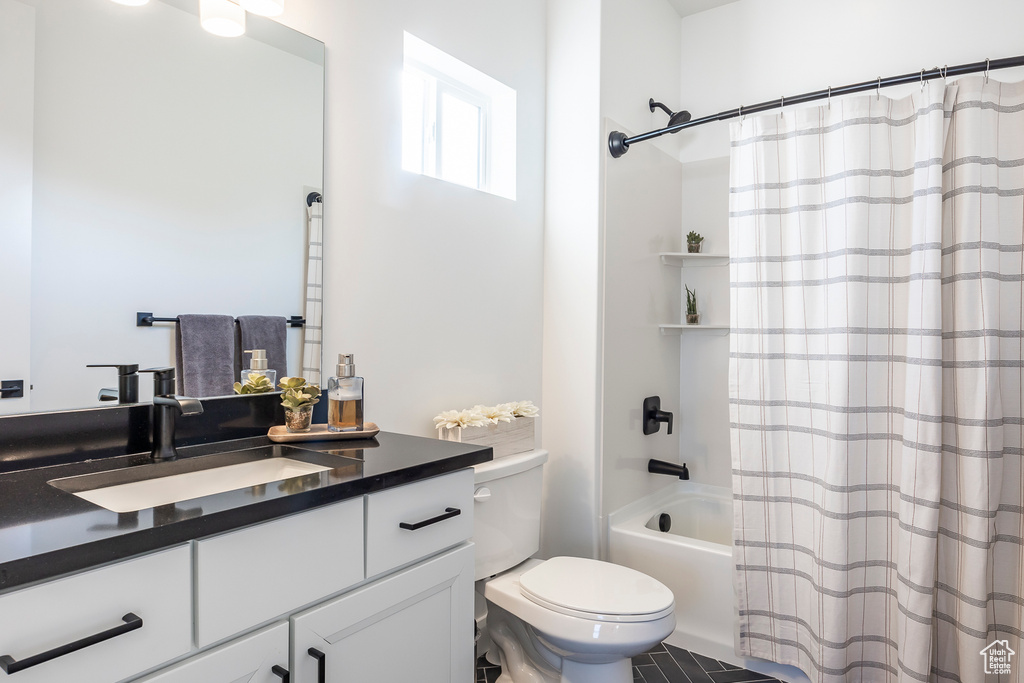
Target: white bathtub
{"x":694,"y":559}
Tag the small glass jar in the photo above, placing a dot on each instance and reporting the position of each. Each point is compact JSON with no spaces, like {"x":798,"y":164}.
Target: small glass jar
{"x":299,"y":420}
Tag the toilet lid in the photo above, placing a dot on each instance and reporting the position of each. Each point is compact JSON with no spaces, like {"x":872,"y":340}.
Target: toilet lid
{"x":595,"y":589}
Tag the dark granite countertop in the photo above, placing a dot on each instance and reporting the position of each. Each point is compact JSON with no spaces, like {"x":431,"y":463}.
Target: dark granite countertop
{"x":46,"y":531}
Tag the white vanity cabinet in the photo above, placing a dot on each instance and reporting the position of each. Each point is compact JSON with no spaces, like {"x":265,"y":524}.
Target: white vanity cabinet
{"x":100,"y":625}
{"x":414,"y":625}
{"x":381,"y":584}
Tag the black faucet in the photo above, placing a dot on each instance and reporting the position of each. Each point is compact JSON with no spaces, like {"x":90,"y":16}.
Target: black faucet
{"x":653,"y":415}
{"x":127,"y":384}
{"x":166,"y":406}
{"x":670,"y":468}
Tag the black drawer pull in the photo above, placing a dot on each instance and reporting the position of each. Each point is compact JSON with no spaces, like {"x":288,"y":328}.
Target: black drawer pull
{"x":448,"y":514}
{"x":10,"y":666}
{"x":321,"y":664}
{"x":280,"y":671}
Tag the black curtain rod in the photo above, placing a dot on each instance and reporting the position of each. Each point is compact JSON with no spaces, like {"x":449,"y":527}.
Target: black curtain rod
{"x":146,"y":319}
{"x":618,"y":143}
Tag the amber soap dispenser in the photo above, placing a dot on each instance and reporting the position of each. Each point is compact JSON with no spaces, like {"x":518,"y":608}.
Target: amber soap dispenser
{"x":345,"y":397}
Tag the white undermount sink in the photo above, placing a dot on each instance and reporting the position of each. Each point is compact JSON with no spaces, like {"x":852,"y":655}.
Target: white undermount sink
{"x":165,"y":483}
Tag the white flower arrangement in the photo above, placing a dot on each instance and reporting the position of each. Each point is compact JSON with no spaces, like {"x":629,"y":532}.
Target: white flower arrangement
{"x":450,"y":419}
{"x":480,"y":415}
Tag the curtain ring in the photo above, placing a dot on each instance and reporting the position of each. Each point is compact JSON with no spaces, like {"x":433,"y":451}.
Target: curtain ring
{"x":830,"y":97}
{"x":922,"y":79}
{"x":740,"y":114}
{"x":878,"y":89}
{"x":986,"y":70}
{"x":945,"y":70}
{"x":782,"y":105}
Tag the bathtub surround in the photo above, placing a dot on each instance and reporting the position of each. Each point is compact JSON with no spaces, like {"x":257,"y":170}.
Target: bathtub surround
{"x":875,"y":381}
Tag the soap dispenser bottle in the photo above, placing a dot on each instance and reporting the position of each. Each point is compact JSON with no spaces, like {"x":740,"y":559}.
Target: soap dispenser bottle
{"x":258,"y":367}
{"x":345,"y":397}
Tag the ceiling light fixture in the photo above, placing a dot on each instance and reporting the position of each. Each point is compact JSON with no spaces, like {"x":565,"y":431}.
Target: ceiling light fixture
{"x":265,"y":8}
{"x":222,"y":17}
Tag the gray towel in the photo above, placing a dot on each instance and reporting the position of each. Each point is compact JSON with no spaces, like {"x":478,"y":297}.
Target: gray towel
{"x":204,"y":349}
{"x":267,"y":332}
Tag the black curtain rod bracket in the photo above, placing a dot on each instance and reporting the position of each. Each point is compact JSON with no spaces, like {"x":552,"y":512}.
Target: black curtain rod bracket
{"x":314,"y":198}
{"x":618,"y":142}
{"x":146,"y":319}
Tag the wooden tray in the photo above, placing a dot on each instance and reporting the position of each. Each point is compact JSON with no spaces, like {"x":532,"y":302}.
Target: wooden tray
{"x":280,"y":433}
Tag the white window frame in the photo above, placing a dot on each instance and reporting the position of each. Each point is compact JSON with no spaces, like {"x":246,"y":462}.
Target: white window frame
{"x":444,"y":75}
{"x":437,"y":85}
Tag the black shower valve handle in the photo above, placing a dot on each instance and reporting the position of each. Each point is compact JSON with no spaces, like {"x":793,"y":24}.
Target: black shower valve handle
{"x":653,"y":415}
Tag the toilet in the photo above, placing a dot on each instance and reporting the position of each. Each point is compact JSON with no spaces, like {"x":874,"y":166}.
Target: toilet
{"x":563,"y":620}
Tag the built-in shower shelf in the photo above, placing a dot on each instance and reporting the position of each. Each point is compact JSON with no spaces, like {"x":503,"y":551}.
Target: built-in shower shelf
{"x":674,"y":330}
{"x":683,"y":259}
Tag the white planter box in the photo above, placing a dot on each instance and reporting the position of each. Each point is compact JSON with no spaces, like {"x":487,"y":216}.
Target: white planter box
{"x":506,"y":438}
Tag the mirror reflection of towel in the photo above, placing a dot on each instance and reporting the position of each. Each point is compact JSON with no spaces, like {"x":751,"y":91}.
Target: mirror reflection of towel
{"x":267,"y":332}
{"x":204,"y":350}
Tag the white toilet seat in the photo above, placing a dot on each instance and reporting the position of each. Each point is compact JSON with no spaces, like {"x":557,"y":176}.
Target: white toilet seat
{"x":591,"y":589}
{"x":583,"y":636}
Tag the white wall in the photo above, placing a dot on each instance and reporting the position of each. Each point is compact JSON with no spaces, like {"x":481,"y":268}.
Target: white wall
{"x":572,"y":279}
{"x":756,"y":50}
{"x":17,"y":50}
{"x":435,"y":288}
{"x":149,"y":194}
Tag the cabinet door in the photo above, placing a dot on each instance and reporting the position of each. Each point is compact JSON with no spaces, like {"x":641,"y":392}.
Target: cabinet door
{"x":415,"y":625}
{"x":250,"y":659}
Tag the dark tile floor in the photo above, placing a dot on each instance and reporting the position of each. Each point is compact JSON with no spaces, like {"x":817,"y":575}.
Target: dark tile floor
{"x":663,"y":664}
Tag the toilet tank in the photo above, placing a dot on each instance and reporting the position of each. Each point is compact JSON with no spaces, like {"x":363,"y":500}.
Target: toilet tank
{"x":506,"y":511}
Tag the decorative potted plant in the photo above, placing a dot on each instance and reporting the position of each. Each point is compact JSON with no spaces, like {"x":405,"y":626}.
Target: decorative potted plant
{"x":693,"y":242}
{"x":298,"y":399}
{"x":692,"y":316}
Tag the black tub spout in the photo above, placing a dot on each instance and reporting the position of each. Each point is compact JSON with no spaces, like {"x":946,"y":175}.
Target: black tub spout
{"x":670,"y":468}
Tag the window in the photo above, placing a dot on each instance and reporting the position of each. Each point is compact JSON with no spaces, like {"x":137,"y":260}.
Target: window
{"x":458,"y":124}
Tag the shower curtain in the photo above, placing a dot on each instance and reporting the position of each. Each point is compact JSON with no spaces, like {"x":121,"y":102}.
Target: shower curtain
{"x":877,"y":248}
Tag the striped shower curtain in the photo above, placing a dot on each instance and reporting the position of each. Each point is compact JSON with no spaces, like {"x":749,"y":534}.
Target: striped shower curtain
{"x":875,"y":385}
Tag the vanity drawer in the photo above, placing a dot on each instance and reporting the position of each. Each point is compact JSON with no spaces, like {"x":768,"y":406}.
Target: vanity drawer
{"x":250,"y":659}
{"x":155,"y":589}
{"x":249,"y":576}
{"x":408,"y":522}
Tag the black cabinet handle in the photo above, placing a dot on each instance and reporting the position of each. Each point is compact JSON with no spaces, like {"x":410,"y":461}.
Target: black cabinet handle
{"x":10,"y":666}
{"x":280,"y":671}
{"x":321,"y":664}
{"x":448,"y":514}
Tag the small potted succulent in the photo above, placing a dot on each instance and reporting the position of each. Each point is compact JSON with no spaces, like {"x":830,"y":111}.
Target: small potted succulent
{"x":693,"y":242}
{"x":298,"y":399}
{"x":692,"y":316}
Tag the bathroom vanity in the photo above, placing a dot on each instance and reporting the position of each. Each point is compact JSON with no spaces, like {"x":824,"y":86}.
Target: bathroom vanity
{"x":362,"y":571}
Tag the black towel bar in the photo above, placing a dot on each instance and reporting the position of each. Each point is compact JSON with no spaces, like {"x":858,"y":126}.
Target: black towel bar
{"x":146,"y":319}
